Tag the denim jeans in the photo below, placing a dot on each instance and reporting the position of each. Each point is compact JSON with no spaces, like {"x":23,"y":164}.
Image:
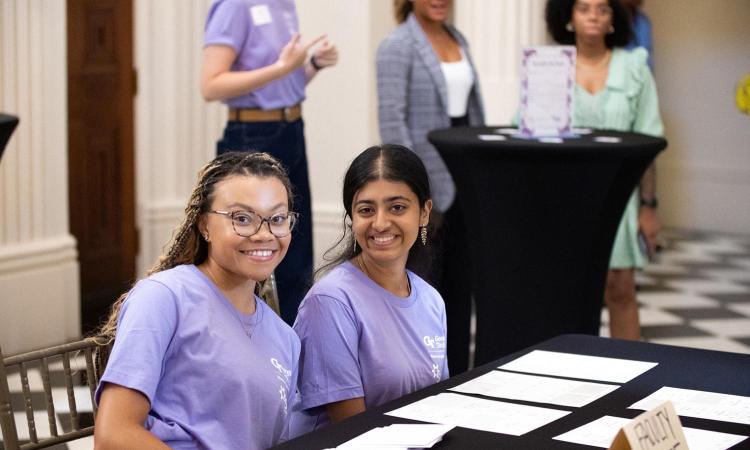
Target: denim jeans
{"x":286,"y":142}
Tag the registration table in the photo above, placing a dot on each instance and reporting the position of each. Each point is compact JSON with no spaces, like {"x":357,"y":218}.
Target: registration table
{"x":676,"y":367}
{"x":540,"y":218}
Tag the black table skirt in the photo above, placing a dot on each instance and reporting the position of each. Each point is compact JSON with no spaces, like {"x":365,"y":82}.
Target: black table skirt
{"x":540,"y":219}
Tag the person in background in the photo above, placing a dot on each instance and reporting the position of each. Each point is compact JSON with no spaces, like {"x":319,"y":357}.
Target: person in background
{"x":256,"y":63}
{"x":371,"y":329}
{"x":426,"y":80}
{"x":641,"y":29}
{"x":199,"y":361}
{"x":614,"y":90}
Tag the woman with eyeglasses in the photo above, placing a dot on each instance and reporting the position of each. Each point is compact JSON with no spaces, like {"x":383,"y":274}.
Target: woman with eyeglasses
{"x":614,"y":90}
{"x":371,"y":329}
{"x":199,"y":360}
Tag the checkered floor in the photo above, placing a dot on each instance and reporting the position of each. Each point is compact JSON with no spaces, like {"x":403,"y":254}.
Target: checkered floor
{"x":697,"y":294}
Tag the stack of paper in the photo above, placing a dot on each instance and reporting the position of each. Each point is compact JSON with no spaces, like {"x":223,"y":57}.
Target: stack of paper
{"x":398,"y":436}
{"x":479,"y":414}
{"x":585,"y":367}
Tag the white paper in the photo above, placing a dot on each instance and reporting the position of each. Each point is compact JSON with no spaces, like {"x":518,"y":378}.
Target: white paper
{"x":532,"y":388}
{"x":506,"y":130}
{"x":547,"y":83}
{"x":399,"y":436}
{"x":492,"y":137}
{"x":700,"y":404}
{"x":551,"y":140}
{"x":479,"y":414}
{"x":601,"y":433}
{"x":581,"y":131}
{"x":579,"y":366}
{"x":608,"y":139}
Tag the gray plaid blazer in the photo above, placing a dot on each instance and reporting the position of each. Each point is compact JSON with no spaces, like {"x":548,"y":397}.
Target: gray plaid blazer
{"x":413,"y":100}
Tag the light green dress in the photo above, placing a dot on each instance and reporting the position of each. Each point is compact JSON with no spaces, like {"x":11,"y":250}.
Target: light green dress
{"x":628,"y":102}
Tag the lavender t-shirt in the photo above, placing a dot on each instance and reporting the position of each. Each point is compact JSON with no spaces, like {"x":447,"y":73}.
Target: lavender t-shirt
{"x":257,"y":30}
{"x":359,"y":340}
{"x":215,"y":378}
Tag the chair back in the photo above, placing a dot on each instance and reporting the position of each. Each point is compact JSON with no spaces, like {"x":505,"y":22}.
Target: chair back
{"x":61,"y":379}
{"x":270,"y":295}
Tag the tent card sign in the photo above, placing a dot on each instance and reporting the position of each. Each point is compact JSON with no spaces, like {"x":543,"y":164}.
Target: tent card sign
{"x":548,"y":77}
{"x":658,"y":429}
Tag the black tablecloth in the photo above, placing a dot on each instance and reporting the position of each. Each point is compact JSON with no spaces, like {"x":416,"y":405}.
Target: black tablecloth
{"x":722,"y":372}
{"x":540,"y":220}
{"x":7,"y":125}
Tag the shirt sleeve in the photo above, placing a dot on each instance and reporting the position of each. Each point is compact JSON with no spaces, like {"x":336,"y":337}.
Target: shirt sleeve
{"x":329,"y":361}
{"x":228,"y":23}
{"x":647,"y":117}
{"x":393,"y":64}
{"x":145,"y":327}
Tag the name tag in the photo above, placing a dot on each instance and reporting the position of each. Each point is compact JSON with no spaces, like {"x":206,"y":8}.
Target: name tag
{"x":658,"y":429}
{"x":261,"y":15}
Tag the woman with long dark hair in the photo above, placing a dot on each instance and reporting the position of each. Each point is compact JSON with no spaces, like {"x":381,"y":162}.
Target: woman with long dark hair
{"x":199,"y":360}
{"x":372,"y":330}
{"x":614,"y":90}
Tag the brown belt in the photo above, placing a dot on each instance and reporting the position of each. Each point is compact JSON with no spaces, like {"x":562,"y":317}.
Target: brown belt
{"x":266,"y":115}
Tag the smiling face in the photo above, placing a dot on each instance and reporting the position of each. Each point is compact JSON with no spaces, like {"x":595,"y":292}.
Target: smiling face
{"x":432,"y":10}
{"x":591,"y":19}
{"x":386,"y":216}
{"x":236,"y":259}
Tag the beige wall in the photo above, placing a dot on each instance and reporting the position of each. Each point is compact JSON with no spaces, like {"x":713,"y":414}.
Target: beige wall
{"x":701,"y":50}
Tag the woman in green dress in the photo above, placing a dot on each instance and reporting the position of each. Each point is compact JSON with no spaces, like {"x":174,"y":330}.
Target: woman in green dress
{"x":614,"y":90}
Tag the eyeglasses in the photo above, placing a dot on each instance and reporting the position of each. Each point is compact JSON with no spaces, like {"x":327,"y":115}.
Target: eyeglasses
{"x":247,"y":223}
{"x":600,"y":10}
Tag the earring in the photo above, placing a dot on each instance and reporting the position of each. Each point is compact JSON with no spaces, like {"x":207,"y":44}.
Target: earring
{"x":423,"y":234}
{"x":354,"y":247}
{"x":205,"y":236}
{"x":611,"y":29}
{"x":569,"y":27}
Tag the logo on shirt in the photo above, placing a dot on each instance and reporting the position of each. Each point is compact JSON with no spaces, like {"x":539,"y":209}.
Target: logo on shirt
{"x":283,"y":375}
{"x":435,"y":372}
{"x":434,"y":342}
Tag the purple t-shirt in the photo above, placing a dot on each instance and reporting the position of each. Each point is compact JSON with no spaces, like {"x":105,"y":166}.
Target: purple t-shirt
{"x":359,"y":340}
{"x":257,"y":30}
{"x":210,"y":384}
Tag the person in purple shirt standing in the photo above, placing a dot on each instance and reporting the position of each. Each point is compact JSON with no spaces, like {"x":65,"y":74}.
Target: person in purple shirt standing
{"x":199,"y":361}
{"x":372,"y":330}
{"x":255,"y":61}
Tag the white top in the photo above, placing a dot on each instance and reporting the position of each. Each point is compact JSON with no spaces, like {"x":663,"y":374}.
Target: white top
{"x":459,"y":80}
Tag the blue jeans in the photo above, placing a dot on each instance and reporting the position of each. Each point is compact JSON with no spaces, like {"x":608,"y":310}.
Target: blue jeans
{"x":286,"y":142}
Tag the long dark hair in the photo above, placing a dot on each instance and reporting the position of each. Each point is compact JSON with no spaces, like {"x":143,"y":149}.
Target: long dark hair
{"x":187,"y":245}
{"x":387,"y":162}
{"x":558,"y":13}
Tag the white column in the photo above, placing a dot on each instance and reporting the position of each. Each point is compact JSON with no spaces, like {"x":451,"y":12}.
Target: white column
{"x":39,"y":290}
{"x":497,"y":30}
{"x":176,"y":131}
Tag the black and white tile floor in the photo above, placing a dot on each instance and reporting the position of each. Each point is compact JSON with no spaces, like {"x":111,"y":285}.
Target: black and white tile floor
{"x":697,"y":294}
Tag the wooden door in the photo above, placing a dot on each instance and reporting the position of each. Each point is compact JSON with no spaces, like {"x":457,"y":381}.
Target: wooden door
{"x":101,"y":88}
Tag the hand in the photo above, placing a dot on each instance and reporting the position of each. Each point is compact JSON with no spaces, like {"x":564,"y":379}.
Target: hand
{"x":326,"y":55}
{"x":649,"y":225}
{"x":294,"y":53}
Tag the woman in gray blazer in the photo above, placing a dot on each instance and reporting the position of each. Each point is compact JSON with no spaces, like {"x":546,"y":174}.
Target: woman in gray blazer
{"x":426,"y":81}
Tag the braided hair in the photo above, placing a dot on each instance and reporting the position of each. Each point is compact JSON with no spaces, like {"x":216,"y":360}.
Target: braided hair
{"x":187,"y":245}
